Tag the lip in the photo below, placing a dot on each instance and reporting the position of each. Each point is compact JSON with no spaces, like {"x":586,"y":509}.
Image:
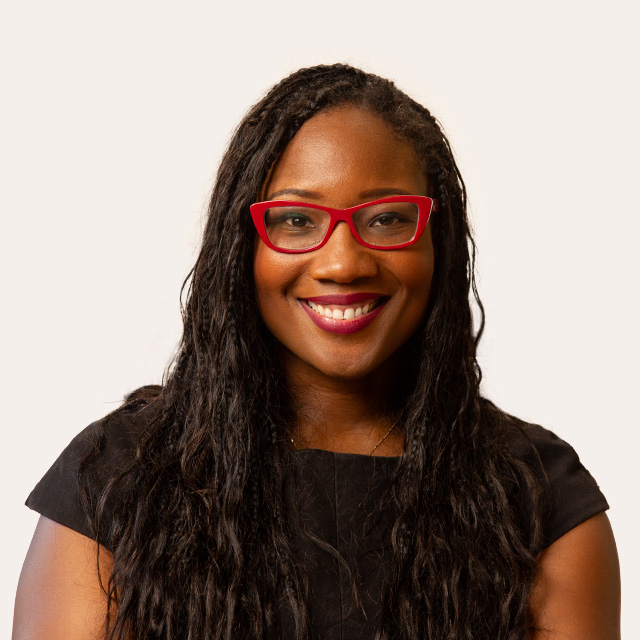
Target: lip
{"x":347,"y":298}
{"x":342,"y":327}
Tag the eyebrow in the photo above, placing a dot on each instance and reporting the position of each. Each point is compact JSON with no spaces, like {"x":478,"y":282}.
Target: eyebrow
{"x":315,"y":195}
{"x":301,"y":193}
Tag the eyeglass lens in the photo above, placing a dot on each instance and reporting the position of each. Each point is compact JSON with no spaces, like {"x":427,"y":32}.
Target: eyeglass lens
{"x":386,"y":224}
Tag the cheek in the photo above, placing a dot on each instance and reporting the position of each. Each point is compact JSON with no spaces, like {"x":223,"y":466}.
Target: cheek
{"x":264,"y":274}
{"x":273,"y":273}
{"x":417,"y":274}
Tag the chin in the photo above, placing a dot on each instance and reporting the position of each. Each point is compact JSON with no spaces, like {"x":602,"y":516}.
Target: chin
{"x":349,"y":370}
{"x":346,"y":374}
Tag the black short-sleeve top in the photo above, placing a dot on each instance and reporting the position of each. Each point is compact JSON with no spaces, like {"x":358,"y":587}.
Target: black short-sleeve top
{"x":341,"y":491}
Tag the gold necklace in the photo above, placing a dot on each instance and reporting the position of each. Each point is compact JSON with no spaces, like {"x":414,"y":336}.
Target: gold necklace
{"x":384,"y":437}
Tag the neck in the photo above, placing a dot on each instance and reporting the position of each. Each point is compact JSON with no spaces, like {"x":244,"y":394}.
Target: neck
{"x":344,"y":415}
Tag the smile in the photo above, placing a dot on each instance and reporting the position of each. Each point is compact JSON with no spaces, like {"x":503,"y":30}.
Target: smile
{"x":344,"y":312}
{"x":344,"y":318}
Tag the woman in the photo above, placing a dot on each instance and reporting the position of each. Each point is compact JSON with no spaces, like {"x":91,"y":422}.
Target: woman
{"x":319,"y":462}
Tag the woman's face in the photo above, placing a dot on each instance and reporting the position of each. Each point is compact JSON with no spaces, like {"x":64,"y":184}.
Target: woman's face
{"x":340,"y":158}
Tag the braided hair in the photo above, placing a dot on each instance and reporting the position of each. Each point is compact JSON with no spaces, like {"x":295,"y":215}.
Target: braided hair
{"x":202,"y":546}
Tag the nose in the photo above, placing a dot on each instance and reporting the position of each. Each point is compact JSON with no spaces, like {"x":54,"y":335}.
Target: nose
{"x":343,"y":259}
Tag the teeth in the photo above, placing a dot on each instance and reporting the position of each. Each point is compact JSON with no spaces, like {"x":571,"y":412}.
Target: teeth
{"x":347,"y":314}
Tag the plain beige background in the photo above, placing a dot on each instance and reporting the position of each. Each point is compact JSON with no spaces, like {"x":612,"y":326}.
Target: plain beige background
{"x":114,"y":117}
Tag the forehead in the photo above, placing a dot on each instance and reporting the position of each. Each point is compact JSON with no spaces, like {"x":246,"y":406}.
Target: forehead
{"x":345,"y":150}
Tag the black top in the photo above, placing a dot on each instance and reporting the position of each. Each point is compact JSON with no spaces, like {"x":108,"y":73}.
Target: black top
{"x":341,"y":490}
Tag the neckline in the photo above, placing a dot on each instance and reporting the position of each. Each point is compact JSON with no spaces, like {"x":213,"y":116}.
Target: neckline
{"x":339,"y":455}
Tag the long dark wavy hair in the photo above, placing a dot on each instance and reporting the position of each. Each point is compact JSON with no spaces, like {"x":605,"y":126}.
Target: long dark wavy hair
{"x":201,"y":543}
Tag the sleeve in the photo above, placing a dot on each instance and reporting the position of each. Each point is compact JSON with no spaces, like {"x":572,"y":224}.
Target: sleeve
{"x":573,"y":494}
{"x":57,"y":495}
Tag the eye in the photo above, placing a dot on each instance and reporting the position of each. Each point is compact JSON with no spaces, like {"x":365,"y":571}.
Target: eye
{"x":387,"y":219}
{"x":290,"y":219}
{"x":296,"y":220}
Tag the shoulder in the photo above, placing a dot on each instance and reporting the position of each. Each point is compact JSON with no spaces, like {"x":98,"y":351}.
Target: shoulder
{"x":100,"y":452}
{"x":571,"y":493}
{"x":114,"y":439}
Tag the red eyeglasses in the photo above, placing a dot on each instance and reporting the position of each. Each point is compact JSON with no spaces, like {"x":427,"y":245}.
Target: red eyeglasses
{"x":297,"y":227}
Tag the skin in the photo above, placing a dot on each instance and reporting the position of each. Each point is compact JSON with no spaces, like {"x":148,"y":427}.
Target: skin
{"x":336,"y":381}
{"x":59,"y":595}
{"x":577,"y":595}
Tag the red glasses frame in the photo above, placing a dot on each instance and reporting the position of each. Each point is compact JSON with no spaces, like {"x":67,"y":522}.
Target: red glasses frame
{"x":426,"y":206}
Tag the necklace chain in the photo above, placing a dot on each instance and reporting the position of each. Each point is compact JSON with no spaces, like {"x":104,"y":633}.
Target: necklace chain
{"x":384,"y":437}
